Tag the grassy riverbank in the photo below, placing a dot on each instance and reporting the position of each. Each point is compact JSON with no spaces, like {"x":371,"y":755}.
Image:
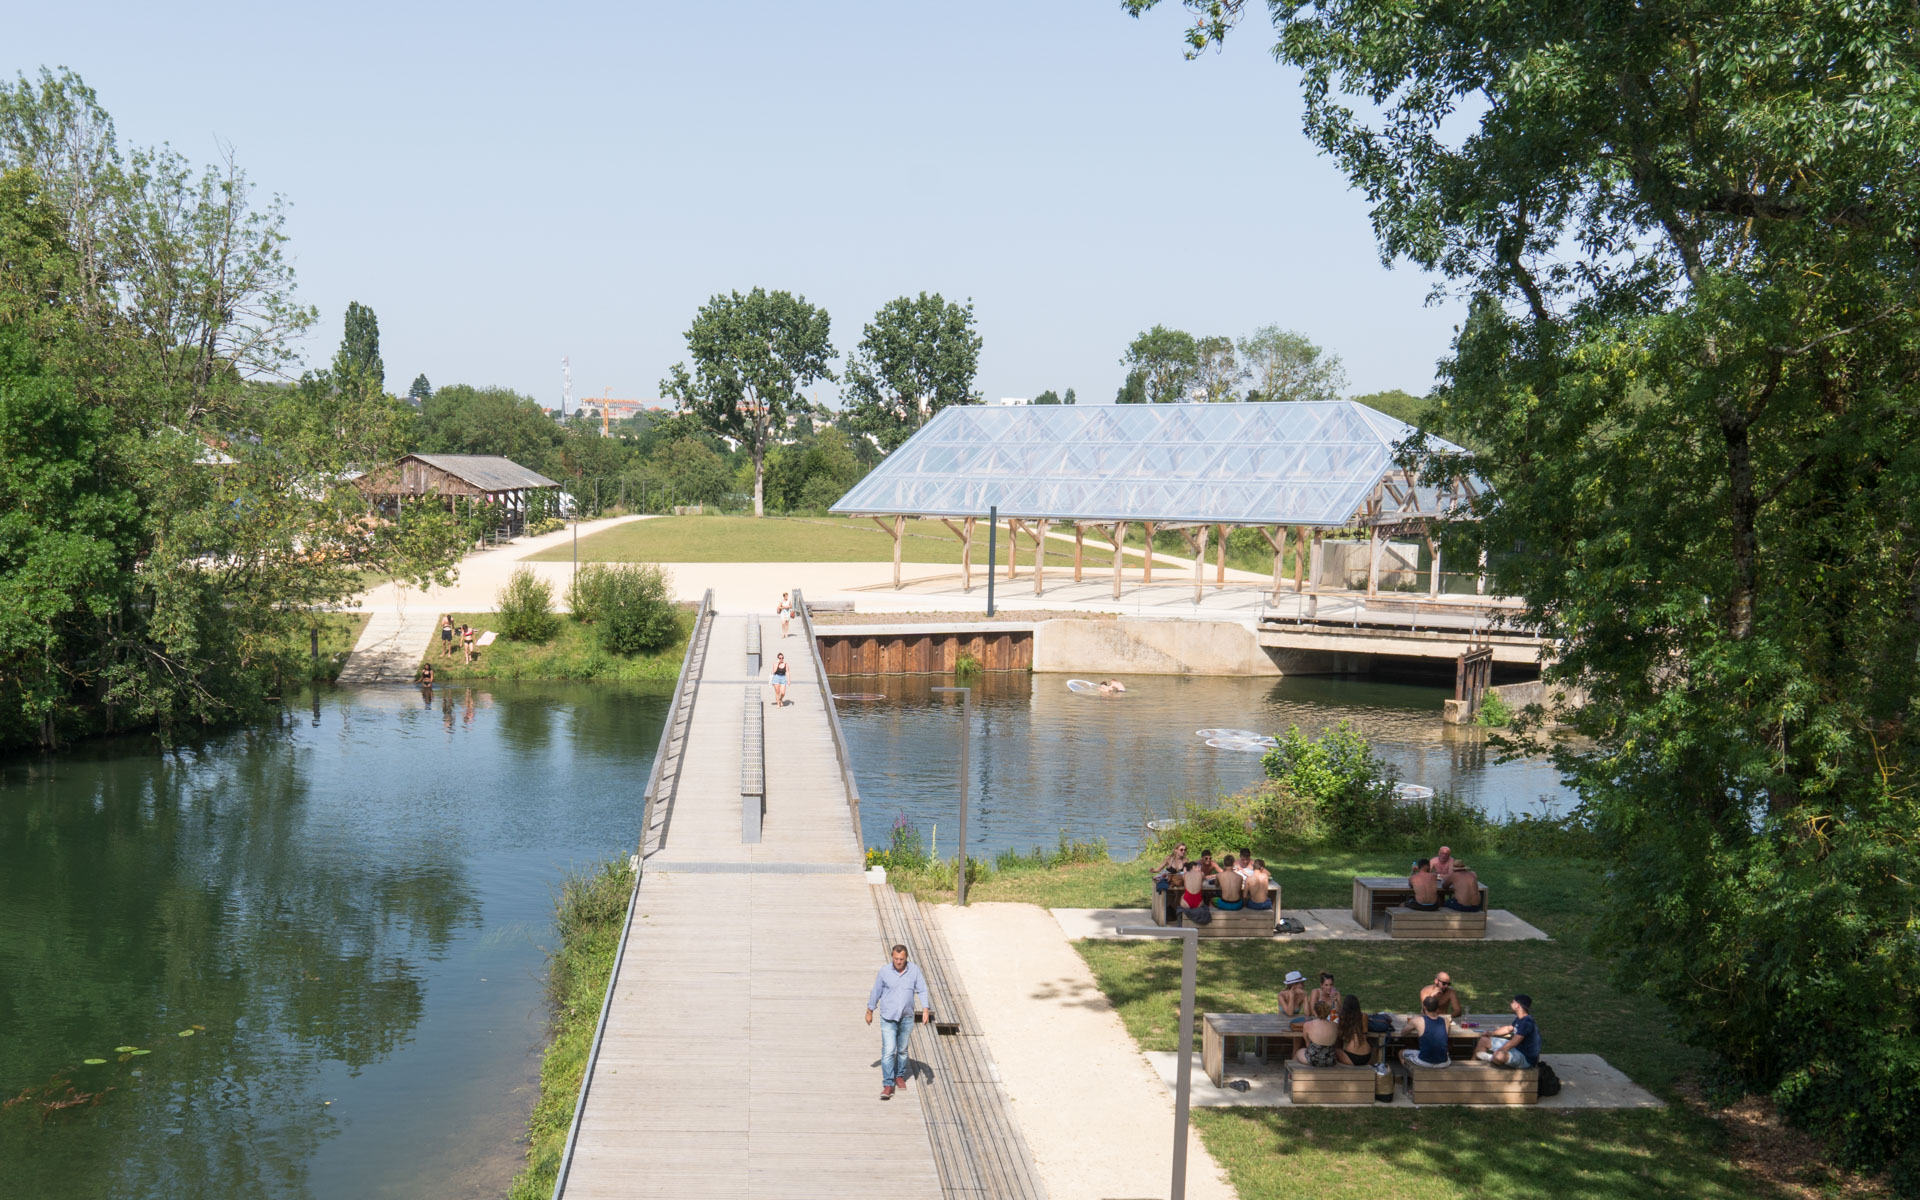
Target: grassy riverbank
{"x":572,"y":653}
{"x":339,"y":633}
{"x":588,"y":915}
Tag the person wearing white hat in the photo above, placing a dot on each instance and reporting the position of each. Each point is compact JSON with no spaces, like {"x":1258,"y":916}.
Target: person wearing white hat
{"x":1293,"y":1000}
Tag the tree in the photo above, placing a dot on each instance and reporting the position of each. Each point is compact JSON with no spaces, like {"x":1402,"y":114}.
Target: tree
{"x":460,"y":419}
{"x":357,"y":362}
{"x":752,"y":356}
{"x":1399,"y":405}
{"x":914,"y":359}
{"x":1217,"y":373}
{"x":1069,"y":398}
{"x":1167,"y":361}
{"x":1133,"y":390}
{"x":1687,"y":239}
{"x":1287,"y":366}
{"x":421,"y":390}
{"x":1047,"y":397}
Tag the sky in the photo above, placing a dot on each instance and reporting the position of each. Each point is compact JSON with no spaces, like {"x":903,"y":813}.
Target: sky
{"x":508,"y":184}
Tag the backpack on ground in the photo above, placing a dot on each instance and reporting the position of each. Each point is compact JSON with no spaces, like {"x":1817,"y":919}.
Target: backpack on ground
{"x":1289,"y":925}
{"x":1549,"y":1082}
{"x":1200,"y":916}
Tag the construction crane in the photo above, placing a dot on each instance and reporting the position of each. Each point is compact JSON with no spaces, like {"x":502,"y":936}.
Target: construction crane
{"x":605,"y":400}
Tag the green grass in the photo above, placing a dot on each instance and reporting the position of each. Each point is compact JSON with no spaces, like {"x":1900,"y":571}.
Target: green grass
{"x":588,"y":916}
{"x":806,"y":539}
{"x":572,"y":653}
{"x":1398,"y":1153}
{"x":339,"y":632}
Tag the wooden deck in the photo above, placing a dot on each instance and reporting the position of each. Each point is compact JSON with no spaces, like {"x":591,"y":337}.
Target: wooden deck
{"x":734,"y":1056}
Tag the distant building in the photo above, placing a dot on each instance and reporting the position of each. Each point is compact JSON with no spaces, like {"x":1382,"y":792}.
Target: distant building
{"x":1014,"y":401}
{"x":447,"y":478}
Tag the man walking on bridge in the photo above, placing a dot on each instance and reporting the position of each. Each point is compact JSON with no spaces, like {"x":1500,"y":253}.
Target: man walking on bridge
{"x":895,"y":991}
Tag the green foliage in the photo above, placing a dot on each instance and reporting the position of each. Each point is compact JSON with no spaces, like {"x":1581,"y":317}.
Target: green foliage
{"x":966,"y":664}
{"x":1287,"y":366}
{"x":814,"y":472}
{"x":420,"y":389}
{"x":685,"y":471}
{"x":916,"y":357}
{"x":1069,"y":398}
{"x":1350,"y":788}
{"x":1494,"y":712}
{"x":1399,"y":405}
{"x":1686,"y":238}
{"x":752,"y":355}
{"x":632,"y":606}
{"x":1167,"y":361}
{"x":1047,"y":397}
{"x":357,"y":363}
{"x":1133,"y":389}
{"x":1218,"y":371}
{"x":526,"y":608}
{"x":460,"y":419}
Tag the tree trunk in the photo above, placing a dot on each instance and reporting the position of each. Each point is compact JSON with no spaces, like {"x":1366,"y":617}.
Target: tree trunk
{"x":759,"y":480}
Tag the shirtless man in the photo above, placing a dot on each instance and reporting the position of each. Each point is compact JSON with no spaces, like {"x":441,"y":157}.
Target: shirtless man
{"x":1426,"y":887}
{"x":1111,"y":687}
{"x":1442,"y":986}
{"x":1232,"y":886}
{"x":1207,"y":866}
{"x":1293,"y":998}
{"x":1443,"y":863}
{"x":1466,"y":890}
{"x":1326,"y":993}
{"x":1259,"y":886}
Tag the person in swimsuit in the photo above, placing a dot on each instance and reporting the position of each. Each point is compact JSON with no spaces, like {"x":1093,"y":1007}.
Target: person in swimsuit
{"x":1326,"y":992}
{"x":1431,"y":1028}
{"x":1466,"y":895}
{"x":1192,"y":896}
{"x":1293,"y":1000}
{"x":446,"y":635}
{"x":1232,"y":887}
{"x":1111,"y":687}
{"x":786,"y":611}
{"x":1259,"y":886}
{"x":1321,"y":1048}
{"x":1356,"y":1048}
{"x":467,"y":634}
{"x":779,"y":681}
{"x":1426,"y":888}
{"x":1208,"y":867}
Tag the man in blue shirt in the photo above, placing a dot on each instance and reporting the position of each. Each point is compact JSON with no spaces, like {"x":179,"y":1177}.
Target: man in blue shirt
{"x":899,"y":994}
{"x":1516,"y":1045}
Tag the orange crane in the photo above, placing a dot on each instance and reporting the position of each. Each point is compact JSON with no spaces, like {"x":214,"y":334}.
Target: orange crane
{"x":609,"y":398}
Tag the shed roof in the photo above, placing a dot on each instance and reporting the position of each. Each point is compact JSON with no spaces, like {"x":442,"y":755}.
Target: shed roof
{"x":1322,"y":463}
{"x":488,"y":472}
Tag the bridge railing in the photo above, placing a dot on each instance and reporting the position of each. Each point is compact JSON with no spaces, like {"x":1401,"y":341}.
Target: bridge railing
{"x":696,"y":647}
{"x":833,"y":718}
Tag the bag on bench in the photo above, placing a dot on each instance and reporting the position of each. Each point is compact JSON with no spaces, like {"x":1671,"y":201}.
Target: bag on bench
{"x":1380,"y":1023}
{"x":1549,"y":1082}
{"x":1199,"y":916}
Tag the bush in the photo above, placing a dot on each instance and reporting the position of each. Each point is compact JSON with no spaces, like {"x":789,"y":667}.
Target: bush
{"x":631,"y":606}
{"x":526,"y":608}
{"x":1494,"y":712}
{"x":967,"y":664}
{"x":1351,"y":789}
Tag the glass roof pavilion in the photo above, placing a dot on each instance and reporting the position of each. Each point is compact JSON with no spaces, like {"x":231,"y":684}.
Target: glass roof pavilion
{"x":1325,"y":464}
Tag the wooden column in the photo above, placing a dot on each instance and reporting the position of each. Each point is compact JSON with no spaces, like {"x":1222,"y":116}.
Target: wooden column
{"x":963,"y":531}
{"x":1040,"y":555}
{"x":1374,"y":544}
{"x":1299,"y":558}
{"x":1220,"y":556}
{"x":1119,"y":537}
{"x":1480,"y":581}
{"x":1199,"y":563}
{"x":1079,"y":538}
{"x":1433,"y":569}
{"x":1279,"y":545}
{"x":896,"y":530}
{"x":1013,"y":548}
{"x":1147,"y":575}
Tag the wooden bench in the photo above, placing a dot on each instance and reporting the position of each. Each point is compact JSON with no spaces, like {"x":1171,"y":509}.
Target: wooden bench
{"x":1216,"y":1028}
{"x":1444,"y":923}
{"x":1244,"y":922}
{"x":1329,"y":1085}
{"x":1472,"y":1083}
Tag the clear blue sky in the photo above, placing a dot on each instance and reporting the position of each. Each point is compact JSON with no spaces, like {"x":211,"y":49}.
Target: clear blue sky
{"x":505,"y":184}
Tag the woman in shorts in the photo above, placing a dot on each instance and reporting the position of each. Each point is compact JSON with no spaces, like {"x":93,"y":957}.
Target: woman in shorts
{"x":779,"y":681}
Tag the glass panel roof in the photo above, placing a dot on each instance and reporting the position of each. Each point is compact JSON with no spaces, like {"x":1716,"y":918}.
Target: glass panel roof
{"x":1303,"y":463}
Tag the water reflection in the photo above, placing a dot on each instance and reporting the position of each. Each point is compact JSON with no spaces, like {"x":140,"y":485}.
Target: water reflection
{"x":1045,"y":759}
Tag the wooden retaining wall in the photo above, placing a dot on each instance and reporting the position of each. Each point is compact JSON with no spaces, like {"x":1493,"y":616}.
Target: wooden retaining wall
{"x":915,"y":652}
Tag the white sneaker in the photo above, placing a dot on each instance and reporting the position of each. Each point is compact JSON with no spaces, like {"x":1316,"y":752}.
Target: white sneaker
{"x":1485,"y":1056}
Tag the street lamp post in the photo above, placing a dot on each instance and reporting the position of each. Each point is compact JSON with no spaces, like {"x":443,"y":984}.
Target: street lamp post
{"x":966,"y":739}
{"x":993,"y":552}
{"x":1183,"y":1085}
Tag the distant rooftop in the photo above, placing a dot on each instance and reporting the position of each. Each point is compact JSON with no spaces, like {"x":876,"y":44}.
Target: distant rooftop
{"x":488,"y":472}
{"x":1321,"y":463}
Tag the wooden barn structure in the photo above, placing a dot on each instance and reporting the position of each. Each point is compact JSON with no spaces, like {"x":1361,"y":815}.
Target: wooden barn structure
{"x":1308,"y":468}
{"x":449,"y":479}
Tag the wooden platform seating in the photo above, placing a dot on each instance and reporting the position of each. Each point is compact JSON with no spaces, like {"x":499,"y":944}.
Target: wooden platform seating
{"x":1329,"y":1085}
{"x":1240,"y":923}
{"x":1472,"y":1083}
{"x":1446,"y":923}
{"x":1216,"y":1028}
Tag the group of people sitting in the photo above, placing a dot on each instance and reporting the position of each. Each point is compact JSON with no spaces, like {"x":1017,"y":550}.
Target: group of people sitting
{"x":1444,"y":873}
{"x":1336,"y":1029}
{"x":1242,"y":881}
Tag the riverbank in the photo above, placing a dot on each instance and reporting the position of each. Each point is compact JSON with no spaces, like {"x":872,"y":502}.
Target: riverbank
{"x":573,"y":653}
{"x":588,"y":916}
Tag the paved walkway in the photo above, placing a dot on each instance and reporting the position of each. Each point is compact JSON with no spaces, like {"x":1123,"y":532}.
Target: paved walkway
{"x":735,"y":1060}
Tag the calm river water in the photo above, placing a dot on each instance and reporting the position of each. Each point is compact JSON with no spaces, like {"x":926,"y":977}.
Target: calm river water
{"x":349,"y":910}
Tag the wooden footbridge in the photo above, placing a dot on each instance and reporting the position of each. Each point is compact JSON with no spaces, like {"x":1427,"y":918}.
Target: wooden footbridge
{"x":731,"y":1055}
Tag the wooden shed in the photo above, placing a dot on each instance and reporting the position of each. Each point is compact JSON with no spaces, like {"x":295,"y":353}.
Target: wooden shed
{"x":447,"y":478}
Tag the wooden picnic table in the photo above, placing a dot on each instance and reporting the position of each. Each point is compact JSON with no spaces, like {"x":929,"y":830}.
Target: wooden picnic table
{"x":1375,"y":894}
{"x":1217,"y":1028}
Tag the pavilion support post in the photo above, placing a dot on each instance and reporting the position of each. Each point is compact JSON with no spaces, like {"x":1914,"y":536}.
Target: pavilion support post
{"x":1040,"y":555}
{"x":1079,"y":540}
{"x":1314,"y":562}
{"x":1147,"y":572}
{"x":1013,"y":547}
{"x":963,"y":531}
{"x":1374,"y":544}
{"x":1433,"y":570}
{"x":896,"y":529}
{"x":1279,"y":545}
{"x":1119,"y":537}
{"x":1199,"y":564}
{"x":1480,"y":580}
{"x":1299,"y":558}
{"x":1220,"y":556}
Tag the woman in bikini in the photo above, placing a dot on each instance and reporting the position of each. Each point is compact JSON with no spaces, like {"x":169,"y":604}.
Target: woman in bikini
{"x":467,"y":633}
{"x":1321,"y":1048}
{"x":1354,"y":1048}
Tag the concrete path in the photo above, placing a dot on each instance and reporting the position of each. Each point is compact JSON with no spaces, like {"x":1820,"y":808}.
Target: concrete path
{"x":390,"y":647}
{"x":1586,"y":1082}
{"x":1096,"y":1117}
{"x":483,"y":574}
{"x":1323,"y":925}
{"x":735,"y":1060}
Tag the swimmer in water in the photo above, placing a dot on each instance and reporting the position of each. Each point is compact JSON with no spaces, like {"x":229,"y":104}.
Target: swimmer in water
{"x":1111,"y":687}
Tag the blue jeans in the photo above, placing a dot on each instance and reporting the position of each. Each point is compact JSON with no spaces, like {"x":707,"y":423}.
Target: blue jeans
{"x":893,"y":1047}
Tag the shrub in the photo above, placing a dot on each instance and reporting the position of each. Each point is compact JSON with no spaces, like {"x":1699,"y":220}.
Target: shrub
{"x":1351,"y":788}
{"x":1494,"y":712}
{"x":587,"y":594}
{"x":633,"y":608}
{"x":526,"y":608}
{"x":967,"y":664}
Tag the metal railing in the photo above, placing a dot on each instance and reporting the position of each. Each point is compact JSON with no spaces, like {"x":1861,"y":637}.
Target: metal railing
{"x":833,"y":719}
{"x":696,"y":647}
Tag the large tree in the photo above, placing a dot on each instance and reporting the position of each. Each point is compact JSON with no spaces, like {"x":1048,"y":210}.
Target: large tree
{"x":1689,"y":238}
{"x":1166,"y":360}
{"x":752,"y":357}
{"x":1133,"y":389}
{"x":916,"y":357}
{"x":1218,"y":372}
{"x":357,"y":362}
{"x":461,"y":419}
{"x":1287,"y":366}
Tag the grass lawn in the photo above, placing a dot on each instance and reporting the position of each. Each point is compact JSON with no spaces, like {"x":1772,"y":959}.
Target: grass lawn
{"x":339,"y":632}
{"x":806,"y":539}
{"x":574,"y":653}
{"x":1399,"y":1153}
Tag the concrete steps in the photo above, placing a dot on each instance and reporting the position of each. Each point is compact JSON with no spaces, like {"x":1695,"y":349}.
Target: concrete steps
{"x":390,"y":648}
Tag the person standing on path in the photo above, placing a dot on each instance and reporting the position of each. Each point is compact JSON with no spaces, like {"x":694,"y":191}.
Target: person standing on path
{"x":785,"y":611}
{"x":899,"y":995}
{"x":779,"y":681}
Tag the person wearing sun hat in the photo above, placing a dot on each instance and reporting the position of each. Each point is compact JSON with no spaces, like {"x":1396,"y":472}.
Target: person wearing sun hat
{"x":1293,"y":1000}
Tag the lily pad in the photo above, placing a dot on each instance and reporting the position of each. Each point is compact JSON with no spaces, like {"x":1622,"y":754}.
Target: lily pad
{"x":125,"y":1049}
{"x":186,"y":1033}
{"x":137,"y":1053}
{"x":94,"y":1062}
